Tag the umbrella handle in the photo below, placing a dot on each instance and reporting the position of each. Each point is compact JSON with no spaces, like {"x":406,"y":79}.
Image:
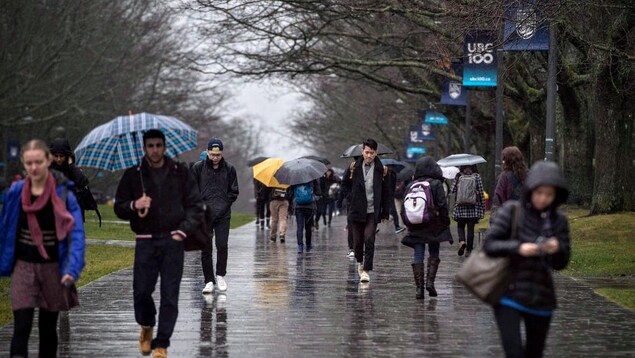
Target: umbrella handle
{"x":143,"y":212}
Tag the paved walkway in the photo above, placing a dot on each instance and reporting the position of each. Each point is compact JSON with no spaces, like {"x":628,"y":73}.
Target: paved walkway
{"x":281,"y":304}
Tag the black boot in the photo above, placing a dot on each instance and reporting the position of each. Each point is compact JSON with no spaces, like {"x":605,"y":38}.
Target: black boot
{"x":433,"y":266}
{"x":419,"y":274}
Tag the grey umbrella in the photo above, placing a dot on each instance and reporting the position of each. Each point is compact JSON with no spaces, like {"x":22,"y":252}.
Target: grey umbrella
{"x":457,"y":160}
{"x":356,"y":150}
{"x":319,"y":159}
{"x":298,"y":171}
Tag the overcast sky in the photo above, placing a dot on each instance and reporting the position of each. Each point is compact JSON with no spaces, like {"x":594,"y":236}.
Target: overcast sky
{"x":271,"y":104}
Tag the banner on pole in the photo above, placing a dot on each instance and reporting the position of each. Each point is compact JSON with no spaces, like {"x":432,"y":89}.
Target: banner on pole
{"x":479,"y":59}
{"x":452,"y":92}
{"x":421,"y":133}
{"x":435,"y":117}
{"x":525,"y":28}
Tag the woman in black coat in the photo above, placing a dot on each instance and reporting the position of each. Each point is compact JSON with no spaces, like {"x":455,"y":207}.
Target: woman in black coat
{"x":540,"y":245}
{"x":431,"y":233}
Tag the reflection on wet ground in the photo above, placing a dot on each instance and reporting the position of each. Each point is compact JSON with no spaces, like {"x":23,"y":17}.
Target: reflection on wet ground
{"x":284,"y":304}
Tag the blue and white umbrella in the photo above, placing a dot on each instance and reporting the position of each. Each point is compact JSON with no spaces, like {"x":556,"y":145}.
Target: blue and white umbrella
{"x":118,"y":144}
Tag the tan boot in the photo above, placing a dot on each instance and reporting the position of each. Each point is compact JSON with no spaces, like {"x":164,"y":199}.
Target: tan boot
{"x":160,"y":352}
{"x":145,"y":340}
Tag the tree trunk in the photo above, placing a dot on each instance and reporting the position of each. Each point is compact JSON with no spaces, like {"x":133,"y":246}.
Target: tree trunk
{"x":613,"y":189}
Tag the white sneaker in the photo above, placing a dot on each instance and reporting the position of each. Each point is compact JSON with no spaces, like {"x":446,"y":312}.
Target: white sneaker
{"x":209,"y":287}
{"x":222,"y":285}
{"x":351,"y":254}
{"x":364,"y":277}
{"x":360,"y":269}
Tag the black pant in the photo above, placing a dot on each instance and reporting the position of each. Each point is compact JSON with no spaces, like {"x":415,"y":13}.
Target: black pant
{"x":537,"y":327}
{"x":320,"y":211}
{"x":158,"y":256}
{"x":304,"y":225}
{"x":330,"y":208}
{"x":262,"y":209}
{"x":394,"y":214}
{"x":364,"y":240}
{"x":461,"y":223}
{"x":220,"y":233}
{"x":22,"y":323}
{"x":349,"y":231}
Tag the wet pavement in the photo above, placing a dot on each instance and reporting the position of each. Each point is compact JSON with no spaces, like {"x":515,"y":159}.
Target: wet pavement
{"x":284,"y":304}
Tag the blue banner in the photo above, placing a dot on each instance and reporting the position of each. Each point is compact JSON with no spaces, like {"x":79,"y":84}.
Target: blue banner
{"x":525,"y":27}
{"x":421,"y":133}
{"x":452,"y":92}
{"x":435,"y":117}
{"x":479,"y":59}
{"x":414,"y":152}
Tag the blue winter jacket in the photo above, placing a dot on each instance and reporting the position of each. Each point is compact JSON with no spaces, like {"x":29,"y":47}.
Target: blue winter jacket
{"x":70,"y":263}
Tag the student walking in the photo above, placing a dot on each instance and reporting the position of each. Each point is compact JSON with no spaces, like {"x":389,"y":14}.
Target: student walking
{"x":218,"y":184}
{"x":469,"y":205}
{"x":540,"y":246}
{"x":428,"y":222}
{"x":304,"y":198}
{"x":364,"y":179}
{"x":279,"y":208}
{"x":161,"y":200}
{"x":41,"y":248}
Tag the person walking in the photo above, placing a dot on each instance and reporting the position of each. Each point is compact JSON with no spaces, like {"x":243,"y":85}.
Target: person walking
{"x":369,"y":204}
{"x":343,"y":203}
{"x":540,"y":245}
{"x":392,"y":186}
{"x":469,"y":206}
{"x":510,"y":182}
{"x":320,"y":204}
{"x":279,"y":208}
{"x":330,"y":194}
{"x":304,"y":198}
{"x":42,"y":249}
{"x":218,"y":185}
{"x":161,"y":200}
{"x":432,"y":233}
{"x":263,"y":213}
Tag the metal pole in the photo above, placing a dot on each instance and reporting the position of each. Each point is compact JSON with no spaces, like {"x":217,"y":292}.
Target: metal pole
{"x":468,"y":123}
{"x":550,"y":134}
{"x":448,"y":148}
{"x":499,"y":114}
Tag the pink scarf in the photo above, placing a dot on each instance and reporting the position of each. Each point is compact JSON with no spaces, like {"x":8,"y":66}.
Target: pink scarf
{"x":64,"y":221}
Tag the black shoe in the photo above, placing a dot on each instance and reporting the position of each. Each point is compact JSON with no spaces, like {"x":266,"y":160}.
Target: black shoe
{"x":273,"y":238}
{"x":462,"y":248}
{"x":281,"y":238}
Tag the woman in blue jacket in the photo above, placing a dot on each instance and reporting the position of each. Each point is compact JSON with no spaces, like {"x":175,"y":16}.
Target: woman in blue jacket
{"x":41,"y":248}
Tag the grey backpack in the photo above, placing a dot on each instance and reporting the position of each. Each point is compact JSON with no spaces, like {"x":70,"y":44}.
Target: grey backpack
{"x":466,"y":190}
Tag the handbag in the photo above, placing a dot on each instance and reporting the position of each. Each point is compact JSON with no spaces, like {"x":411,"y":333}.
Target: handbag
{"x":201,"y":238}
{"x":487,"y":277}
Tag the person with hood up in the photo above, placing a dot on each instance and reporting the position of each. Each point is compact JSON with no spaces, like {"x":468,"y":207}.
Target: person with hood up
{"x":63,"y":161}
{"x":540,"y":246}
{"x":432,"y":233}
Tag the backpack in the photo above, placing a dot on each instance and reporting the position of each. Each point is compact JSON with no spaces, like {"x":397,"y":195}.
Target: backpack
{"x":418,"y":203}
{"x":333,"y":190}
{"x":86,"y":200}
{"x":303,"y":194}
{"x":466,"y":190}
{"x":278,"y":194}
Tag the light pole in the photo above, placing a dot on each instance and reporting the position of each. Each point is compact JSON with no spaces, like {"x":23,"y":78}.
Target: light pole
{"x":550,"y":132}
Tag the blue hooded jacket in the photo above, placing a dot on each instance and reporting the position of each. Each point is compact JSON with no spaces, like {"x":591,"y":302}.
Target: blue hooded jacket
{"x":71,"y":261}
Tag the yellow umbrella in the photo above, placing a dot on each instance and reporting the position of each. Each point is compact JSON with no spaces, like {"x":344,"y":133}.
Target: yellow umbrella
{"x":264,"y":171}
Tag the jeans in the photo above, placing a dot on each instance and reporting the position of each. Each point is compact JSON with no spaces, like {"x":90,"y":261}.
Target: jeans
{"x":320,"y":211}
{"x":279,"y":210}
{"x":304,"y":224}
{"x":420,"y":251}
{"x":364,"y":240}
{"x":22,"y":324}
{"x":536,"y":327}
{"x":262,"y":210}
{"x":220,"y":233}
{"x":163,"y":256}
{"x":461,"y":223}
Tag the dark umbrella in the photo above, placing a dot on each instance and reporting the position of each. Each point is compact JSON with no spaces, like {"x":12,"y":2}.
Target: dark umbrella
{"x":356,"y":150}
{"x":319,"y":159}
{"x":406,"y":174}
{"x":397,"y":165}
{"x":256,"y":160}
{"x":301,"y":170}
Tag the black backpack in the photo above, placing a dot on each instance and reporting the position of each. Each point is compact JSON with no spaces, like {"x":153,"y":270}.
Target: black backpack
{"x":86,"y":200}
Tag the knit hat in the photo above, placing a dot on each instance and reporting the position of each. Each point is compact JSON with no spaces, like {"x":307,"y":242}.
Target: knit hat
{"x":215,"y":145}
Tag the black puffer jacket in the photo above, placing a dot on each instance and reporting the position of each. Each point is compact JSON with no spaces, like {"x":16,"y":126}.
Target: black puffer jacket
{"x":176,"y":205}
{"x":218,"y":187}
{"x":357,"y":189}
{"x":437,"y":230}
{"x":532,"y":283}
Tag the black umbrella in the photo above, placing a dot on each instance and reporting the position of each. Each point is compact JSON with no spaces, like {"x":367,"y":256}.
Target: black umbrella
{"x":256,"y":160}
{"x":319,"y":159}
{"x":356,"y":150}
{"x":406,"y":174}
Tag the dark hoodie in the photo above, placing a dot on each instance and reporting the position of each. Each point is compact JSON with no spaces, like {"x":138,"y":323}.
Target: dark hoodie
{"x":532,"y":283}
{"x":437,"y":230}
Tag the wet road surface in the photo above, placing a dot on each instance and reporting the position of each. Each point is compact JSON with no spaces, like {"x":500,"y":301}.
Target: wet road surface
{"x":284,"y":304}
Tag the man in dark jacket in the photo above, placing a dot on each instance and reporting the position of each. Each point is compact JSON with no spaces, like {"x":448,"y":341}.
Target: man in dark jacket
{"x":218,"y":185}
{"x":160,"y":199}
{"x":369,"y":204}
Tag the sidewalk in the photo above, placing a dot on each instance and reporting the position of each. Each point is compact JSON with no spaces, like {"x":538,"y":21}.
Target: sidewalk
{"x":282,"y":304}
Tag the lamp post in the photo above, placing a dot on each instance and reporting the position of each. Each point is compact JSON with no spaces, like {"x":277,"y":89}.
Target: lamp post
{"x":550,"y":132}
